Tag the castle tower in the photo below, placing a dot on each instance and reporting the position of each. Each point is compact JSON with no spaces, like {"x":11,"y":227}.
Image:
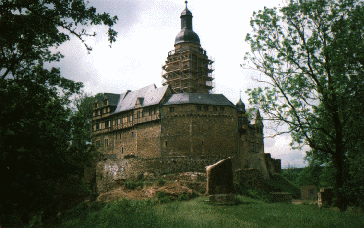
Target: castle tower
{"x":187,"y":68}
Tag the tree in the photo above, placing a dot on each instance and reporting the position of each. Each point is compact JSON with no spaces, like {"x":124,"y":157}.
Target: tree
{"x":30,"y":28}
{"x":37,"y":125}
{"x":291,"y":173}
{"x":310,"y":55}
{"x":310,"y":175}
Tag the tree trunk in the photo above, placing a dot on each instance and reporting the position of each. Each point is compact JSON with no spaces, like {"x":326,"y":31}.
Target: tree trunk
{"x":338,"y":160}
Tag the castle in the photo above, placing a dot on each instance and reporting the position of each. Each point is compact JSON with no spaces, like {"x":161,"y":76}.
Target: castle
{"x":180,"y":126}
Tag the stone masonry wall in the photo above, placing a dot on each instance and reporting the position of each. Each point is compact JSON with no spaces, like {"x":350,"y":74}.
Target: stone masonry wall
{"x":187,"y":131}
{"x":143,"y":141}
{"x":111,"y":172}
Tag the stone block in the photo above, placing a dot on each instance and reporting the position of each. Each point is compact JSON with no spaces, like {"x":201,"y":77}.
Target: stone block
{"x":220,"y":178}
{"x":325,"y":196}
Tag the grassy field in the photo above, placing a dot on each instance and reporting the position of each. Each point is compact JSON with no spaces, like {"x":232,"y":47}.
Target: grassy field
{"x":247,"y":212}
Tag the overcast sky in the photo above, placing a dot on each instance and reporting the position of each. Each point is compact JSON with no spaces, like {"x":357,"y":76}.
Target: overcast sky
{"x":146,"y":32}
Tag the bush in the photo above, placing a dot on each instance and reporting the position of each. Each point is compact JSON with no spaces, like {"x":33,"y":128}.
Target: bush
{"x":161,"y":182}
{"x":133,"y":185}
{"x":77,"y":211}
{"x":94,"y":195}
{"x":163,"y":197}
{"x":183,"y":197}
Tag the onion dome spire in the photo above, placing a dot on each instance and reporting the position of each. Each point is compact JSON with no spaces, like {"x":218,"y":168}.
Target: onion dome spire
{"x":186,"y":35}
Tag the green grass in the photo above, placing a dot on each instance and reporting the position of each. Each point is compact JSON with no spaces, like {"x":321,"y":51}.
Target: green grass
{"x":247,"y":212}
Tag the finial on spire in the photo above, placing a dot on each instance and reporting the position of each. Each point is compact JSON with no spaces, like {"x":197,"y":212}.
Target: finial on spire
{"x":240,"y":94}
{"x":186,"y":3}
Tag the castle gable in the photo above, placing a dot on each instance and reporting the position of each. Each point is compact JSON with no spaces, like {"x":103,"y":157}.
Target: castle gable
{"x":198,"y":98}
{"x":112,"y":98}
{"x":254,"y":116}
{"x":146,"y":96}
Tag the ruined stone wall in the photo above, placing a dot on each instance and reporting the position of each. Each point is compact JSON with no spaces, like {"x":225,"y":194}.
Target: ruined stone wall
{"x":250,"y":177}
{"x":110,"y":173}
{"x":309,"y":192}
{"x":258,"y":161}
{"x":187,"y":131}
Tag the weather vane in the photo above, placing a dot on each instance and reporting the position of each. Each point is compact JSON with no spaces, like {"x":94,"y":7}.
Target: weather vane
{"x":186,"y":3}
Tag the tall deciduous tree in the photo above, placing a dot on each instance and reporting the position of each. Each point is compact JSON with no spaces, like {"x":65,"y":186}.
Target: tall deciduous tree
{"x":37,"y":158}
{"x":311,"y":56}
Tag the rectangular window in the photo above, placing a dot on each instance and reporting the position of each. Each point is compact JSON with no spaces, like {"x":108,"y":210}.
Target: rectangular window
{"x":107,"y":124}
{"x":252,"y":147}
{"x":121,"y":120}
{"x":116,"y":122}
{"x":171,"y":109}
{"x":129,"y":118}
{"x":256,"y":147}
{"x":199,"y":107}
{"x":106,"y":142}
{"x":150,"y":111}
{"x":132,"y":134}
{"x":143,"y":113}
{"x":98,"y":126}
{"x":206,"y":108}
{"x":222,"y":109}
{"x":138,"y":114}
{"x":215,"y":108}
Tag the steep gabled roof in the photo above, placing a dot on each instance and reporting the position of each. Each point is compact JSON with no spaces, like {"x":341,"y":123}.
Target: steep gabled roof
{"x":112,"y":98}
{"x":254,"y":115}
{"x":151,"y":95}
{"x":198,"y":98}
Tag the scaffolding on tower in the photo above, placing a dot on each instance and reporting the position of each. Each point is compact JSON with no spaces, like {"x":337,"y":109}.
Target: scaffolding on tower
{"x":188,"y":70}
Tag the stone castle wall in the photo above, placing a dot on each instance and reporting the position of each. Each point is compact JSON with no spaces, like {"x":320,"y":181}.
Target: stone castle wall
{"x":188,"y":131}
{"x":182,"y":130}
{"x":142,"y":140}
{"x":110,"y":173}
